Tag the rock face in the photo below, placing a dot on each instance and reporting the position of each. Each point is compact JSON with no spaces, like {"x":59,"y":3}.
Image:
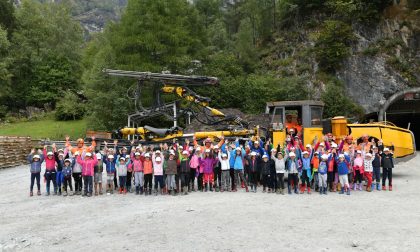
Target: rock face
{"x":371,"y":79}
{"x":369,"y":82}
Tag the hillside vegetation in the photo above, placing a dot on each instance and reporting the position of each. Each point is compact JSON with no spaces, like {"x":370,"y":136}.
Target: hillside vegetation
{"x":261,"y":50}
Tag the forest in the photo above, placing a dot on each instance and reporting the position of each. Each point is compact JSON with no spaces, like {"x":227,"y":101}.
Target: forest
{"x":261,"y":50}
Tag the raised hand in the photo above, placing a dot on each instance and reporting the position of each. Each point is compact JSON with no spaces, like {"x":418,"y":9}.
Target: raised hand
{"x":67,"y":138}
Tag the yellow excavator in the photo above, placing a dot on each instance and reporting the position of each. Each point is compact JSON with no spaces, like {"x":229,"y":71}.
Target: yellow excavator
{"x":304,"y":117}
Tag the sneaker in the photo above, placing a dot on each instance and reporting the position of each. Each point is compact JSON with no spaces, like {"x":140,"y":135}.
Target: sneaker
{"x":38,"y":193}
{"x":31,"y":194}
{"x":383,"y":188}
{"x":390,"y":188}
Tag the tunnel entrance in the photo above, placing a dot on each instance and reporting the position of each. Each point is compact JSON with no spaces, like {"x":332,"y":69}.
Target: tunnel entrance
{"x":405,"y":113}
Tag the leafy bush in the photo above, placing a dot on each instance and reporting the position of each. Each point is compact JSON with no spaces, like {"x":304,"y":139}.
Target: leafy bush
{"x":332,"y":44}
{"x":337,"y":103}
{"x":69,"y":108}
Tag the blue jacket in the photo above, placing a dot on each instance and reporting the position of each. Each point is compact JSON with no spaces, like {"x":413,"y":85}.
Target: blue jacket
{"x":260,"y":150}
{"x":236,"y":161}
{"x":35,"y":166}
{"x":289,"y":162}
{"x":343,"y":168}
{"x":110,"y":166}
{"x":67,"y":170}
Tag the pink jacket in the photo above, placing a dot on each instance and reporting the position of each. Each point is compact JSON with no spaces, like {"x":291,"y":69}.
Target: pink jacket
{"x":358,"y":165}
{"x":137,"y":165}
{"x":194,"y":162}
{"x":87,"y":165}
{"x":49,"y":163}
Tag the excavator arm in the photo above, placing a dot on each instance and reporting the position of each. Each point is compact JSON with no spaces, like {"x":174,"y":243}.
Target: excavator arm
{"x":148,"y":133}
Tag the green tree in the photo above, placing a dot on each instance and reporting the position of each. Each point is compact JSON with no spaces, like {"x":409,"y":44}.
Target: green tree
{"x":7,"y":17}
{"x":69,"y":107}
{"x":46,"y":52}
{"x":4,"y":65}
{"x":153,"y":35}
{"x":337,"y":103}
{"x":332,"y":44}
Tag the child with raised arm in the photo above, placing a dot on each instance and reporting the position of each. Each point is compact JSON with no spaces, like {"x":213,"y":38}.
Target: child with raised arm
{"x":225,"y":167}
{"x":67,"y":170}
{"x":88,"y":167}
{"x":50,"y":171}
{"x":343,"y":162}
{"x":35,"y":160}
{"x":280,"y":165}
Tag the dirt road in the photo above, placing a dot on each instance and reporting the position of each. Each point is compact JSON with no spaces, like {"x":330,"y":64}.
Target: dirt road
{"x":377,"y":221}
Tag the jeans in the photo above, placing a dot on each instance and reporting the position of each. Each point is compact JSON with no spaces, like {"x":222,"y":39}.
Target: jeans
{"x":123,"y":181}
{"x":51,"y":176}
{"x":77,"y":181}
{"x":159,"y":180}
{"x":377,"y":174}
{"x":138,"y":179}
{"x":226,"y":180}
{"x":170,"y":181}
{"x":387,"y":173}
{"x":37,"y":176}
{"x":88,"y":181}
{"x":59,"y":179}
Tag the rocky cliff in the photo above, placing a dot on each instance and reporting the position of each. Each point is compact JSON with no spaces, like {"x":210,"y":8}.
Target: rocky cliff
{"x":385,"y":59}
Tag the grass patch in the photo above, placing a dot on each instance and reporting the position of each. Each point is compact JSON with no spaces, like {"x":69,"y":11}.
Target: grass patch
{"x":45,"y":128}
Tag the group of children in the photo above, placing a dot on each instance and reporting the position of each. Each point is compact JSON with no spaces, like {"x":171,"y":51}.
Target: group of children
{"x":180,"y":169}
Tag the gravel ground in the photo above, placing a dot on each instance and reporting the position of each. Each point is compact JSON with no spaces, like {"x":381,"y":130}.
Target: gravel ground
{"x":377,"y":221}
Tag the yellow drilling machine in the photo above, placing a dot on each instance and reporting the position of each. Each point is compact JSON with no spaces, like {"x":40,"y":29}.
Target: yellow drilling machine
{"x":304,"y":117}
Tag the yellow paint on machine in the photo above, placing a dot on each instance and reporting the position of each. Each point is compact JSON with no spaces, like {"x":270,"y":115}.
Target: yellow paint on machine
{"x":279,"y":137}
{"x":402,"y":139}
{"x":309,"y":135}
